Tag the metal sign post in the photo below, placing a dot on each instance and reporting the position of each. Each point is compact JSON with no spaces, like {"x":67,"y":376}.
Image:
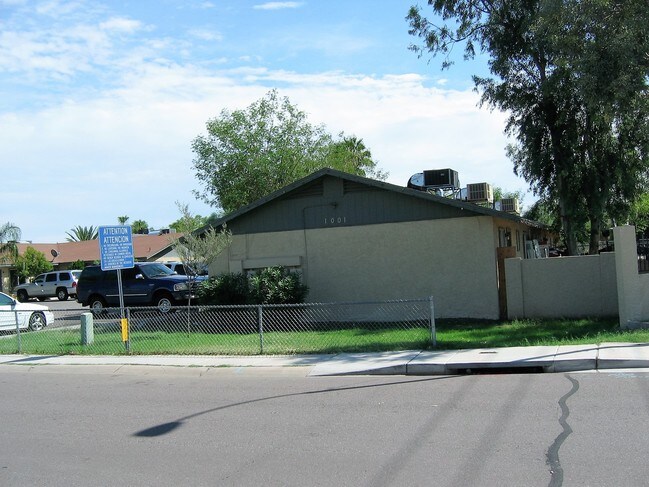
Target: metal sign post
{"x":116,"y":251}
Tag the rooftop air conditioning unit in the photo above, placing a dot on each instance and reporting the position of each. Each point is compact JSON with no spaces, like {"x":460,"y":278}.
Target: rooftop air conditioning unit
{"x":479,"y":193}
{"x":442,"y":178}
{"x":510,"y":205}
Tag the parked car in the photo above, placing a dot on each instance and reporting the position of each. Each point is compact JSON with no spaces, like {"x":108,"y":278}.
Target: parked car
{"x":30,"y":316}
{"x":60,"y":284}
{"x":146,"y":284}
{"x":179,"y":268}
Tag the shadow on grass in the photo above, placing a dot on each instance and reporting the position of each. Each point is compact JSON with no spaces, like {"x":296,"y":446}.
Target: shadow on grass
{"x":454,"y":335}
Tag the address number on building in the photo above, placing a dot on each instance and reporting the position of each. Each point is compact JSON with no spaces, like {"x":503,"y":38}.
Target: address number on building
{"x":336,"y":220}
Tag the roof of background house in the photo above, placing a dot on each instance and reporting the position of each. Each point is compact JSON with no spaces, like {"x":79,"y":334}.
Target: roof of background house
{"x":144,"y":247}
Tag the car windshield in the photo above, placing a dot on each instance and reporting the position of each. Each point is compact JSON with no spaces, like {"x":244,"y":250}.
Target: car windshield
{"x":156,"y":270}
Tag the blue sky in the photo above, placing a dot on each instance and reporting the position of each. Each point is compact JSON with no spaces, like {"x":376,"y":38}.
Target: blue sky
{"x":99,"y":101}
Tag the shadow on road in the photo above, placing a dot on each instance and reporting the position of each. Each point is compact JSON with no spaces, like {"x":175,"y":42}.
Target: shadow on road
{"x":165,"y":428}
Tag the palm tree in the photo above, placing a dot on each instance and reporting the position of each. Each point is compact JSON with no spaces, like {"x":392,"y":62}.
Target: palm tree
{"x":9,"y":237}
{"x":351,"y":155}
{"x":80,"y":233}
{"x":140,"y":226}
{"x":122,"y":219}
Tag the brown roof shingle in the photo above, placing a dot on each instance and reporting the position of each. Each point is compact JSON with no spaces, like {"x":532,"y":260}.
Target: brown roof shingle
{"x":144,"y":247}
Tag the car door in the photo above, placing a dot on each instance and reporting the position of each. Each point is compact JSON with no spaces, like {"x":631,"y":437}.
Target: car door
{"x":7,"y":316}
{"x":36,"y":287}
{"x":136,"y":287}
{"x":106,"y":286}
{"x":49,"y":286}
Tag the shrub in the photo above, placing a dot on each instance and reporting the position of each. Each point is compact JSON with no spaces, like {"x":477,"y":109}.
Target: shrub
{"x":232,"y":288}
{"x":77,"y":264}
{"x":277,"y":285}
{"x":273,"y":285}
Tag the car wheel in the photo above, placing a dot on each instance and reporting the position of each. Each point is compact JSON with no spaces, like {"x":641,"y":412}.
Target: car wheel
{"x":22,"y":295}
{"x":62,"y":294}
{"x":163,"y":302}
{"x":97,"y":305}
{"x":36,"y":321}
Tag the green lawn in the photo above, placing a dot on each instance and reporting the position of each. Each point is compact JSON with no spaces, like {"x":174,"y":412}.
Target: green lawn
{"x":455,"y":335}
{"x":450,"y":335}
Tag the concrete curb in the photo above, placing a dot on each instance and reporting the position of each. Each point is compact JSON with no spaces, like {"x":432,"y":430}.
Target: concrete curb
{"x":565,"y":358}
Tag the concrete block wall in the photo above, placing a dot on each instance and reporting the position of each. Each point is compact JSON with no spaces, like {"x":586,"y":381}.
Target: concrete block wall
{"x":632,"y":287}
{"x":564,"y":287}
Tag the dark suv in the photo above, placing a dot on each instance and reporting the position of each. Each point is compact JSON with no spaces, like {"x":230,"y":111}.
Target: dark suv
{"x":146,"y":284}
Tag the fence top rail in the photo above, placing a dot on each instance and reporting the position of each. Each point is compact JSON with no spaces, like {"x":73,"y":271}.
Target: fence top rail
{"x":256,"y":306}
{"x":339,"y":303}
{"x":112,"y":310}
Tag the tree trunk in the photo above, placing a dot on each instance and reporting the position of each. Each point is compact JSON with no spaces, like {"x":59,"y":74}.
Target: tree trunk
{"x":567,"y":224}
{"x":595,"y":229}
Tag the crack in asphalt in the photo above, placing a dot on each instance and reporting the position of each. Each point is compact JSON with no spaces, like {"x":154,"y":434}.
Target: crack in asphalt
{"x":552,"y":455}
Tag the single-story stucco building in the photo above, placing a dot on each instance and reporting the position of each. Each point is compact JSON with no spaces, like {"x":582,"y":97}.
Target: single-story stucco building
{"x":357,"y":239}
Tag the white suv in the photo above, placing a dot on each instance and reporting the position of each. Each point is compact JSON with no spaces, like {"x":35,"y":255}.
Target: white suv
{"x":60,"y":284}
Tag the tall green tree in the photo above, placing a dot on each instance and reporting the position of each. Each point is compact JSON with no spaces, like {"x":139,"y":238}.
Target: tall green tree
{"x":572,"y":75}
{"x":9,"y":237}
{"x":79,"y":233}
{"x":31,"y":263}
{"x":247,"y":154}
{"x":122,"y":219}
{"x":639,"y":215}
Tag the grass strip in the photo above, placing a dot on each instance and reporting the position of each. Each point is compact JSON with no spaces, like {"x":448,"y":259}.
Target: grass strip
{"x":450,"y":335}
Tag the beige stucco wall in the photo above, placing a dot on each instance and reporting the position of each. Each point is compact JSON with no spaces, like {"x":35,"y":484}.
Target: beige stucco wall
{"x":632,"y":287}
{"x":562,"y":287}
{"x":453,"y":260}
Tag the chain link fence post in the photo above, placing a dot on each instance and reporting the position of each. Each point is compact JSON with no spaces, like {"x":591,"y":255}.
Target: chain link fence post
{"x":260,"y":321}
{"x":128,"y":330}
{"x":18,"y":339}
{"x":433,"y":330}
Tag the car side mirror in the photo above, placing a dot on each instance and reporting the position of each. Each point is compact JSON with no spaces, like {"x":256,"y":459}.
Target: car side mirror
{"x":139,"y":276}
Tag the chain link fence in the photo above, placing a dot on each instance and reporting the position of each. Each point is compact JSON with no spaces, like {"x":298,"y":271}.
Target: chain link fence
{"x":224,"y":330}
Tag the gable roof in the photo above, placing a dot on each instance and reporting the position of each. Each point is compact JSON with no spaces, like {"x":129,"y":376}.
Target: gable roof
{"x":372,"y":183}
{"x":144,"y":248}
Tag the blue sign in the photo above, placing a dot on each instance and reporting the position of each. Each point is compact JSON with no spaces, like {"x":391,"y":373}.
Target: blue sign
{"x":116,"y":247}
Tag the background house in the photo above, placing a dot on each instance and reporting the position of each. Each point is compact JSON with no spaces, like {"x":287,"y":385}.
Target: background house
{"x":357,"y":239}
{"x":64,"y":254}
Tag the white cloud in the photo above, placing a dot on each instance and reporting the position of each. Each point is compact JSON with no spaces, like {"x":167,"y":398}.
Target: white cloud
{"x":120,"y":24}
{"x":53,"y":52}
{"x":206,"y":35}
{"x":128,"y":151}
{"x":277,"y":5}
{"x":58,"y":9}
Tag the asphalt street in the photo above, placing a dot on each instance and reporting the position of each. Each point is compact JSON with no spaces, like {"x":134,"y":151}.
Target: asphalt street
{"x":90,"y":425}
{"x":57,"y":306}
